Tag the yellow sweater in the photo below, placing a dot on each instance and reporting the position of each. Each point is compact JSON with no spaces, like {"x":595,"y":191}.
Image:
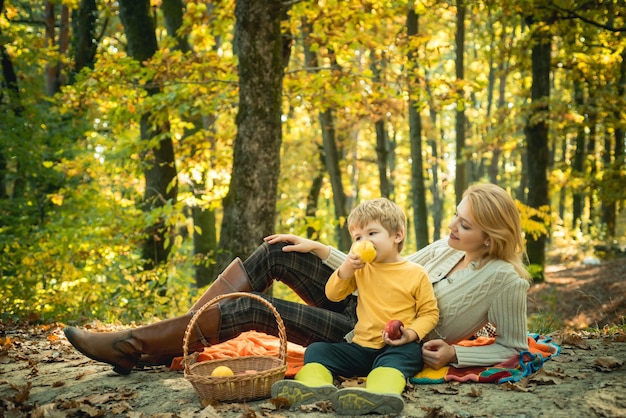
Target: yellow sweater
{"x":387,"y":291}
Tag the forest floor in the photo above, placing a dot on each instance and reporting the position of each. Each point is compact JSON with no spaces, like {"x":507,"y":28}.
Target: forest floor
{"x":41,"y":375}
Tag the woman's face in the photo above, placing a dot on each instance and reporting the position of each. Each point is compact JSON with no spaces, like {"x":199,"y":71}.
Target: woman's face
{"x":464,"y":234}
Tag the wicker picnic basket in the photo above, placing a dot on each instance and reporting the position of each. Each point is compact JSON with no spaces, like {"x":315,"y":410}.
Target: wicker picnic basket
{"x":253,"y":375}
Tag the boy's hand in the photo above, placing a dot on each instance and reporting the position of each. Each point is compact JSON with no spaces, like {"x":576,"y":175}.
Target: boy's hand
{"x":355,"y":261}
{"x":354,"y":256}
{"x":350,"y":265}
{"x":408,"y":336}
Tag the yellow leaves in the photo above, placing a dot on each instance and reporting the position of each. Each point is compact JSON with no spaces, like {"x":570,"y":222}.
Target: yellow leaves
{"x":56,"y":199}
{"x":574,"y":117}
{"x":534,"y":222}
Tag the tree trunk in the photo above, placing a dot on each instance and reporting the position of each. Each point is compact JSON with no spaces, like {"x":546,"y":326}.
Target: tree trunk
{"x":536,"y":131}
{"x":204,"y":216}
{"x":54,"y":73}
{"x":310,"y":61}
{"x":10,"y":87}
{"x":612,"y":186}
{"x":84,"y":31}
{"x":460,"y":181}
{"x":418,"y":187}
{"x":503,"y":69}
{"x":578,"y":164}
{"x":160,"y":167}
{"x":204,"y":243}
{"x":331,"y":157}
{"x":250,"y":205}
{"x":313,"y":196}
{"x":382,"y":137}
{"x":590,"y":177}
{"x":330,"y":153}
{"x":383,"y":156}
{"x":438,"y":137}
{"x":173,"y":17}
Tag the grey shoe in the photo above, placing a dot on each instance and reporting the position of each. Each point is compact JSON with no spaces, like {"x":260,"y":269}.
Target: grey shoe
{"x":356,"y":401}
{"x":300,"y":394}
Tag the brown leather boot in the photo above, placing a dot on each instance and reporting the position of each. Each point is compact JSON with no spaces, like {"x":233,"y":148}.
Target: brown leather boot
{"x":123,"y":349}
{"x":234,"y":278}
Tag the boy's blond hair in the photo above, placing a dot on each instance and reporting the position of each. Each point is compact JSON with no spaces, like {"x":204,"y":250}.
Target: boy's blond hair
{"x":381,"y":210}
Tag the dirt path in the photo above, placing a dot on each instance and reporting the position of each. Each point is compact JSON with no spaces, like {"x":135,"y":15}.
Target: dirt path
{"x":41,"y":375}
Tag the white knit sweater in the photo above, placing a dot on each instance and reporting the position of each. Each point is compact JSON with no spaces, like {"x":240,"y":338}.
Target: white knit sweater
{"x":470,"y":298}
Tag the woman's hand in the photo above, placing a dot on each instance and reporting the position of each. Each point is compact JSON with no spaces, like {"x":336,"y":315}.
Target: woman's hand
{"x":438,"y":353}
{"x":299,"y":244}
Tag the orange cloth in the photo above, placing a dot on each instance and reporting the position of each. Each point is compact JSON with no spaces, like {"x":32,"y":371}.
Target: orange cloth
{"x":250,"y":343}
{"x":477,"y":342}
{"x":534,"y":346}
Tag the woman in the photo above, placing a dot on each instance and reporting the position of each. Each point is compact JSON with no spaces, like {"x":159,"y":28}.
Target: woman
{"x":477,"y":275}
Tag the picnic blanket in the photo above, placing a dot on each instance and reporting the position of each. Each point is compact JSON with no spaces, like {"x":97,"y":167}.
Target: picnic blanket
{"x":254,"y":343}
{"x":540,"y":349}
{"x":250,"y":343}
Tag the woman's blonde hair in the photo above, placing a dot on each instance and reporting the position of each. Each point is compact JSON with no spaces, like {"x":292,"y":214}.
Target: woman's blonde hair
{"x":381,"y":210}
{"x":494,"y":211}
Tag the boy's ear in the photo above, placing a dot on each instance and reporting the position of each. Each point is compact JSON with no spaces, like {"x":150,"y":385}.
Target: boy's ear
{"x":399,"y":236}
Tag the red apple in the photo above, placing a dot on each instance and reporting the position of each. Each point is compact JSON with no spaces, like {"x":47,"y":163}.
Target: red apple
{"x":393,"y":329}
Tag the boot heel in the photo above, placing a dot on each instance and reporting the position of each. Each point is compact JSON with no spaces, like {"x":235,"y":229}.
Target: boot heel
{"x":121,"y":370}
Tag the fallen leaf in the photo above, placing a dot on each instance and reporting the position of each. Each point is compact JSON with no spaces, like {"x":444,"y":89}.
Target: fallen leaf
{"x":438,"y":412}
{"x":209,"y":402}
{"x":555,"y":373}
{"x":48,"y":411}
{"x":208,"y":412}
{"x":280,"y":402}
{"x":99,"y":398}
{"x":91,"y":411}
{"x":23,"y":392}
{"x":352,"y":382}
{"x":565,"y":358}
{"x":446,"y":390}
{"x":323,"y":406}
{"x":575,"y":341}
{"x":561,"y":403}
{"x":514,"y":387}
{"x":607,"y":364}
{"x":544,"y":379}
{"x":475,"y":393}
{"x":120,"y":408}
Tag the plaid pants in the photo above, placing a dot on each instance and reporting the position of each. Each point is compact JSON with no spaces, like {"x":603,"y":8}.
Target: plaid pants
{"x":317,"y":320}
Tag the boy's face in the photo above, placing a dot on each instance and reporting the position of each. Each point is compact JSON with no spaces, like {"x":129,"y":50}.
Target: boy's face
{"x":386,"y":245}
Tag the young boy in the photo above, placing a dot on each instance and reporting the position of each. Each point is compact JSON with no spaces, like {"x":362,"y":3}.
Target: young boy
{"x":388,"y":288}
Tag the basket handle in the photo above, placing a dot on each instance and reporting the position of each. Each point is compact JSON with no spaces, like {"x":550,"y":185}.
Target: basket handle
{"x":282,"y":334}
